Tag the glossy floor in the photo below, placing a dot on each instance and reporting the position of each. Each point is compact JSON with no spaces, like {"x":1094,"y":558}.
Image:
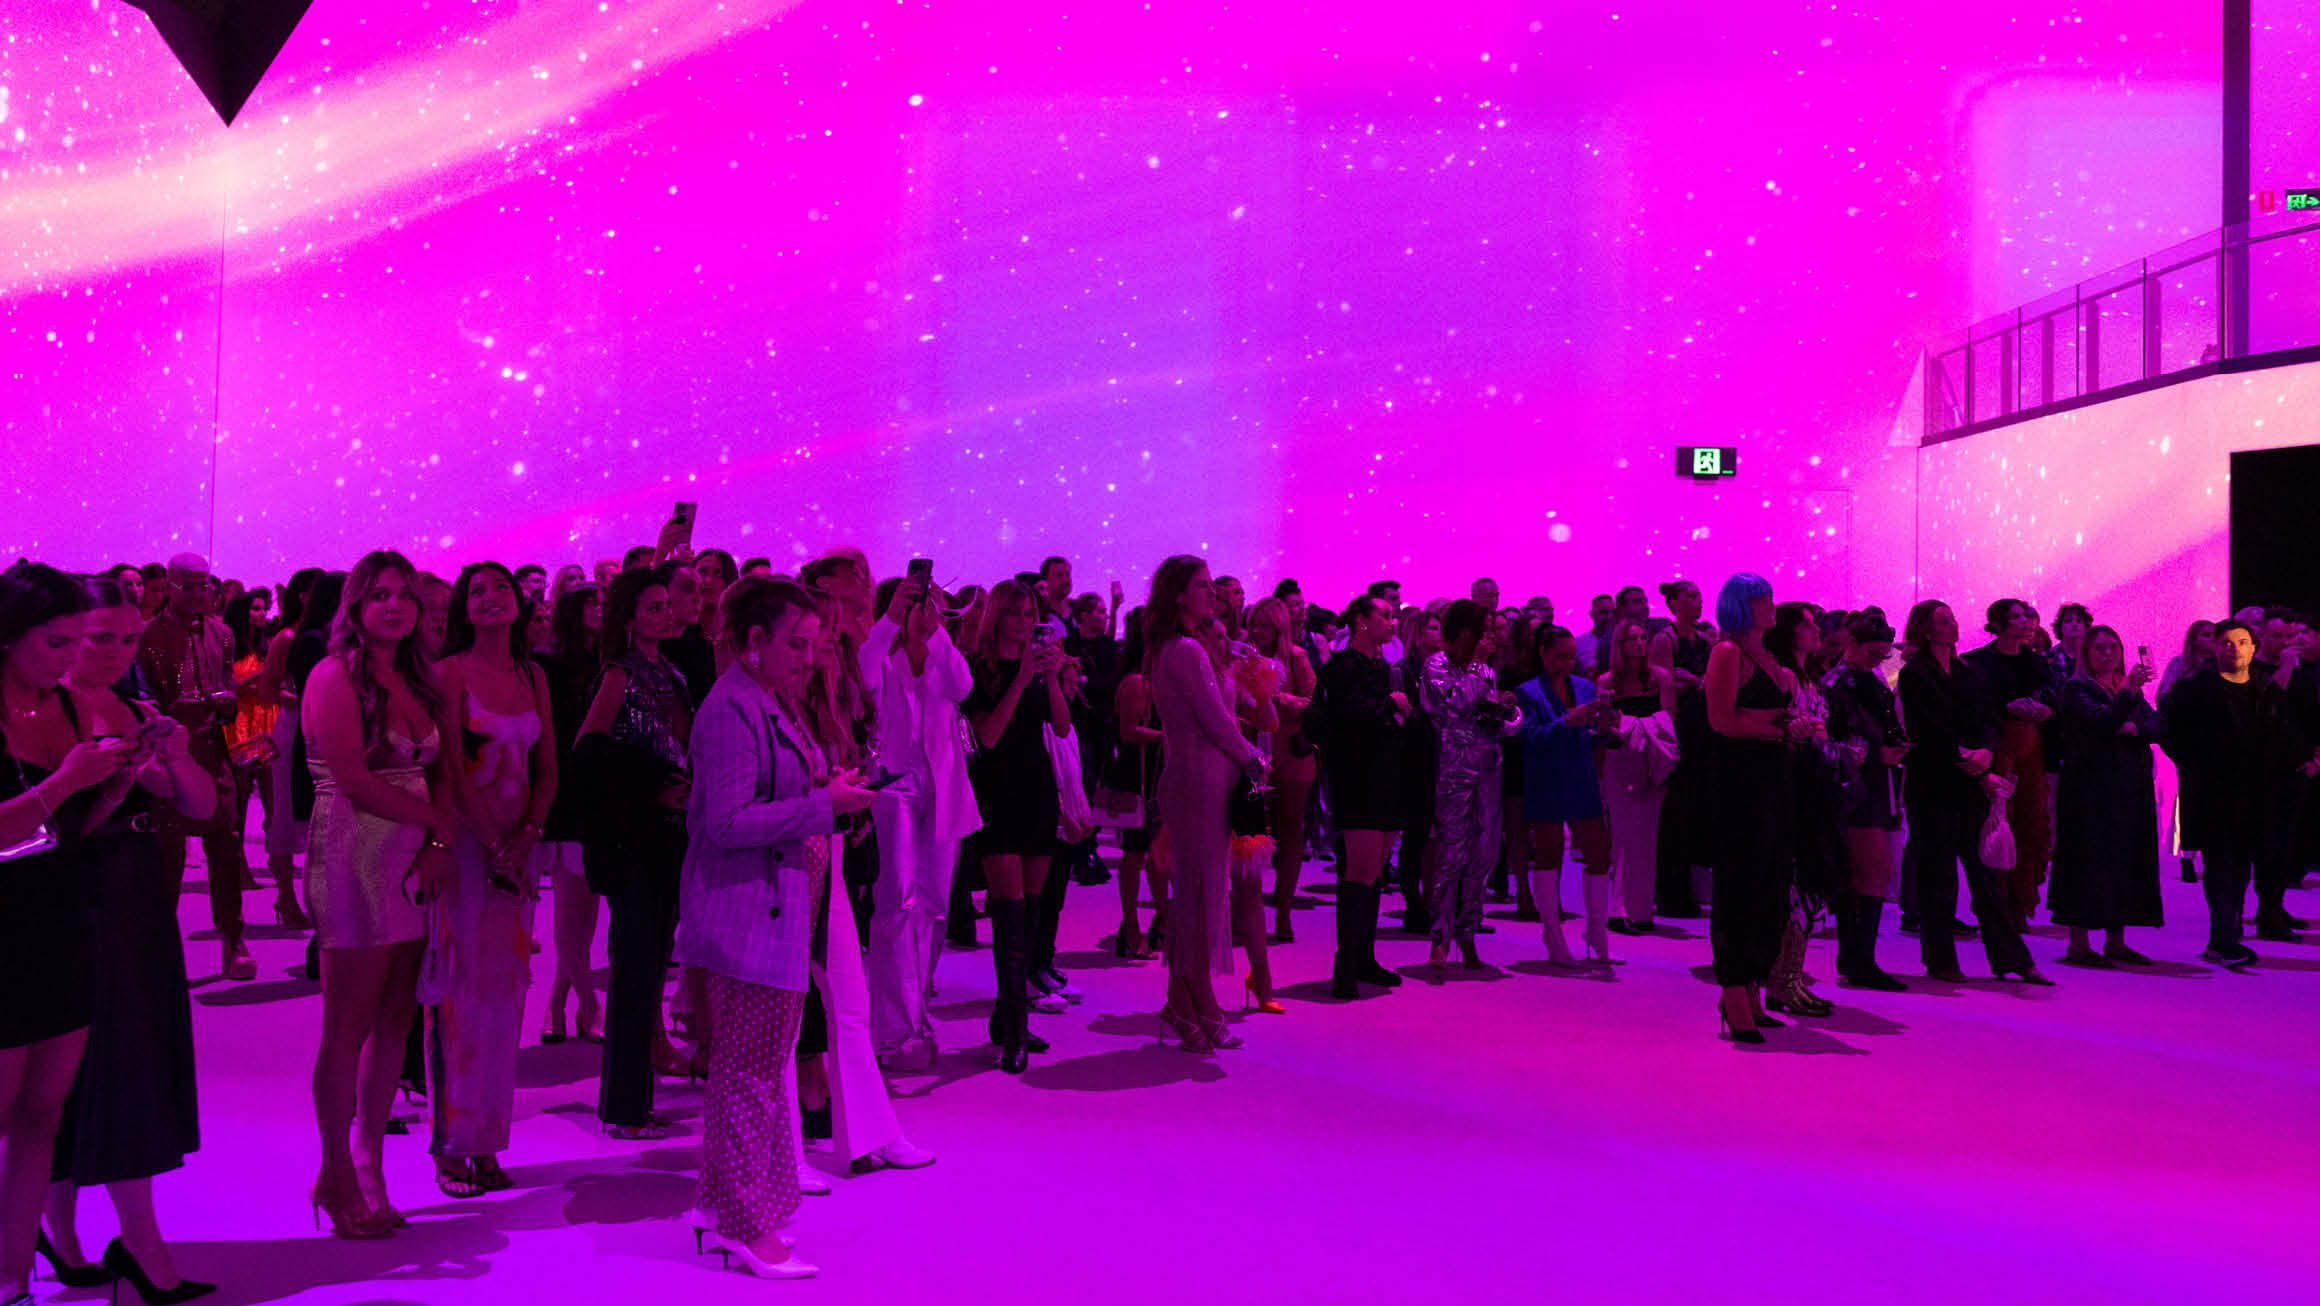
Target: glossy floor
{"x":1525,"y":1135}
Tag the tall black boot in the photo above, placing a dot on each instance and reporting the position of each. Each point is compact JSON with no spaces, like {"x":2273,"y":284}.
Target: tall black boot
{"x":1365,"y":917}
{"x":1341,"y":969}
{"x":1866,"y":915}
{"x":1010,"y":1011}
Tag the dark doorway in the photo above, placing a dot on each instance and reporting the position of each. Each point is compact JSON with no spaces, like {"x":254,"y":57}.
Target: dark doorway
{"x":2275,"y":494}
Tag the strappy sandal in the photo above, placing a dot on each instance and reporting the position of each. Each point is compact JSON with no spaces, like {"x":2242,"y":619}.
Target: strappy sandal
{"x":456,"y":1183}
{"x":487,"y":1171}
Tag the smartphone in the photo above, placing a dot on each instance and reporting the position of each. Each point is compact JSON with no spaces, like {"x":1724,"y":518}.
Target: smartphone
{"x":922,"y":569}
{"x":883,"y":779}
{"x":2143,"y":655}
{"x":685,"y":513}
{"x":1042,"y":633}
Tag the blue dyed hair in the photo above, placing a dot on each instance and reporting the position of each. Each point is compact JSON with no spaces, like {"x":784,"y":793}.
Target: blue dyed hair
{"x":1735,"y":602}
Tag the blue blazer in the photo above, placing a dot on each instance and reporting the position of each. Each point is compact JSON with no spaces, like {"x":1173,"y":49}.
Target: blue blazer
{"x":1559,"y":778}
{"x":743,"y":907}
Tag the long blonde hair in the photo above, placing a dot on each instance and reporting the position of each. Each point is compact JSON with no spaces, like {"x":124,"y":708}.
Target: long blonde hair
{"x":350,"y":645}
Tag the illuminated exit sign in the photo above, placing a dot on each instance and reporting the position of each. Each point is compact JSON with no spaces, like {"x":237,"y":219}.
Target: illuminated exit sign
{"x":2304,"y":200}
{"x":1705,"y":463}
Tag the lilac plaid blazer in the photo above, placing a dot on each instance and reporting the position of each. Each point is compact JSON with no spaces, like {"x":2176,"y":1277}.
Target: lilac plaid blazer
{"x":743,"y":910}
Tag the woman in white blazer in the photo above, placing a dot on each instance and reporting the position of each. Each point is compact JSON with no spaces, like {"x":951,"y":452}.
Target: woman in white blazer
{"x":917,"y":679}
{"x":763,"y":808}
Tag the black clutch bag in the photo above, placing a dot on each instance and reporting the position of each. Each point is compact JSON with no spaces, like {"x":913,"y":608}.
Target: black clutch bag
{"x":1246,"y":810}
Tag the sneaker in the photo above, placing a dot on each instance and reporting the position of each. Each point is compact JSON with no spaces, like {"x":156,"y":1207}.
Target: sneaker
{"x":1059,"y":984}
{"x":2237,"y":954}
{"x":1050,"y":1003}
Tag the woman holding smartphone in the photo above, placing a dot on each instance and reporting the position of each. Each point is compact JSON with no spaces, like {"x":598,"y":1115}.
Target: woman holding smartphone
{"x":1017,"y":696}
{"x":763,"y":815}
{"x":133,"y":1113}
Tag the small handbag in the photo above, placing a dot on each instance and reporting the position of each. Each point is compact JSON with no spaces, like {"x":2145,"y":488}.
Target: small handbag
{"x":42,"y":839}
{"x":1116,"y":809}
{"x":1997,"y":841}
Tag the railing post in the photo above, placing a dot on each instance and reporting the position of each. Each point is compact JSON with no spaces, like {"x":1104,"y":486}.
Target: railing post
{"x":2150,"y":322}
{"x":2090,"y":344}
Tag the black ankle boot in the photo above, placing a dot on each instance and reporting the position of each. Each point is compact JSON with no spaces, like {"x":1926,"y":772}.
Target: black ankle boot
{"x":1341,"y":983}
{"x":1863,"y":916}
{"x":1010,"y":965}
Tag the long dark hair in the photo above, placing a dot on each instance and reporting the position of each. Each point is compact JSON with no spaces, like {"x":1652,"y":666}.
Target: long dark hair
{"x":459,"y":636}
{"x":238,"y":624}
{"x":1780,"y":641}
{"x":568,"y":639}
{"x":1132,"y":643}
{"x":1164,"y":610}
{"x":620,"y":602}
{"x":1917,"y":632}
{"x":321,"y":607}
{"x":294,"y":595}
{"x":32,"y":594}
{"x":347,"y":643}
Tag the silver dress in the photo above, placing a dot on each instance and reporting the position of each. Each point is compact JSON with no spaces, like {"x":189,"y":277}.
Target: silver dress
{"x":358,"y":882}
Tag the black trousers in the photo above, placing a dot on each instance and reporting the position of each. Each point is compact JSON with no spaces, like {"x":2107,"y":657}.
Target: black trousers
{"x":640,"y":927}
{"x":1746,"y":921}
{"x":1942,"y":839}
{"x":2225,"y":884}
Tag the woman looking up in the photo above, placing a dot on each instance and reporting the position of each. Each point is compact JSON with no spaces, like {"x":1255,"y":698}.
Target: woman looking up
{"x":1205,"y":754}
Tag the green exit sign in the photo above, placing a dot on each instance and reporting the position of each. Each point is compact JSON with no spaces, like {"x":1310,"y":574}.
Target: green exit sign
{"x":2307,"y":199}
{"x":1706,"y":463}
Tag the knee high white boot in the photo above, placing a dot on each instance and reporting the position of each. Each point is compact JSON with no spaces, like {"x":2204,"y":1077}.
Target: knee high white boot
{"x":1547,"y":892}
{"x":1596,"y":890}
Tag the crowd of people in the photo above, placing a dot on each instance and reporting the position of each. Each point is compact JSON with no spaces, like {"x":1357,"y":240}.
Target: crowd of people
{"x":787,"y":790}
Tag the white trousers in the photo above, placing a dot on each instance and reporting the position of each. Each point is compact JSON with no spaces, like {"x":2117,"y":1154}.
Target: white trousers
{"x":906,"y":926}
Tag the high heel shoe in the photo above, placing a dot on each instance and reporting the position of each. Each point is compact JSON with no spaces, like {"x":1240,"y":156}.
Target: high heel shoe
{"x":1269,"y":1005}
{"x":1726,"y":1029}
{"x":554,"y":1033}
{"x":788,"y":1268}
{"x":355,"y":1222}
{"x":125,"y":1268}
{"x":1189,"y":1034}
{"x":1218,"y":1035}
{"x":287,"y":914}
{"x":64,"y":1271}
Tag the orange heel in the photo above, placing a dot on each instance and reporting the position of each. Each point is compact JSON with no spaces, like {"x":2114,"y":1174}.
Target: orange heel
{"x":1270,"y":1006}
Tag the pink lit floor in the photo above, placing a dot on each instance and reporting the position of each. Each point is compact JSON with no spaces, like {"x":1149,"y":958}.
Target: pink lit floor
{"x":2127,"y":1137}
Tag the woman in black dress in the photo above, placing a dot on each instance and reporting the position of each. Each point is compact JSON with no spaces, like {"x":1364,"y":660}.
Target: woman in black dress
{"x":1018,"y":695}
{"x":2106,"y":813}
{"x":1361,"y":738}
{"x":52,"y":765}
{"x":1752,"y":786}
{"x":132,"y":1114}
